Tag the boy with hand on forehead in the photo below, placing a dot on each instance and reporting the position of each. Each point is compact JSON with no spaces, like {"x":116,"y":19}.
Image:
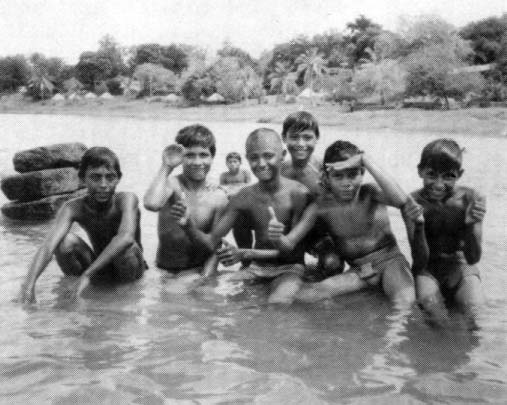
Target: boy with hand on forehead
{"x":355,"y":215}
{"x":177,"y":252}
{"x":273,"y":201}
{"x":111,"y":221}
{"x":453,"y":232}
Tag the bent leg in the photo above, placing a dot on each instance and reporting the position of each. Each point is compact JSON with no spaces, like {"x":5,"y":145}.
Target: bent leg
{"x":430,"y":298}
{"x":398,"y":283}
{"x":284,"y":288}
{"x":128,"y":265}
{"x":73,"y":255}
{"x":331,"y":287}
{"x":470,"y":298}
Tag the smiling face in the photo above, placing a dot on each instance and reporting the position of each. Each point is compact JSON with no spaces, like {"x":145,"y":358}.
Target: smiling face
{"x":265,"y":155}
{"x":438,"y":185}
{"x":345,"y":184}
{"x":101,"y":183}
{"x":301,"y":144}
{"x":196,"y":163}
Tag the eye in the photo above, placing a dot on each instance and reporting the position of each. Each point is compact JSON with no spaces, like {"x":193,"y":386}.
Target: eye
{"x":449,"y":176}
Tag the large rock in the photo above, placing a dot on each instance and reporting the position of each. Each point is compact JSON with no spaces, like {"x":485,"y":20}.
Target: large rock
{"x":49,"y":157}
{"x":43,"y":183}
{"x":44,"y":208}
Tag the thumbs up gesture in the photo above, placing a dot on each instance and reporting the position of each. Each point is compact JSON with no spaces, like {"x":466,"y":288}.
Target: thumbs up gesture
{"x":179,"y":211}
{"x":476,"y":209}
{"x":228,"y":254}
{"x":275,"y":227}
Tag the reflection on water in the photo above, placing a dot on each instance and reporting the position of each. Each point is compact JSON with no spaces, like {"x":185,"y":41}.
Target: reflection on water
{"x":146,"y":343}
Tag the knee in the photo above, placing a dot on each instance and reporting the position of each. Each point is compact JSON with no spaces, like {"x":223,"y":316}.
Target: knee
{"x":332,"y":264}
{"x":129,"y":265}
{"x":68,"y":244}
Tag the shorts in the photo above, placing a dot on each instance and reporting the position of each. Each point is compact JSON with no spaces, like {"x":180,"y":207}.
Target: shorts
{"x":273,"y":271}
{"x":449,"y":272}
{"x":371,"y":267}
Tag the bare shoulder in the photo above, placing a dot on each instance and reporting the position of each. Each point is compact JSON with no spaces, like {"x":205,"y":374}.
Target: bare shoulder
{"x":125,"y":199}
{"x":369,"y":191}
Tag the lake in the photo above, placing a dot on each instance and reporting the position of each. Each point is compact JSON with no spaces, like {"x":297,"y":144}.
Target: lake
{"x":145,"y":344}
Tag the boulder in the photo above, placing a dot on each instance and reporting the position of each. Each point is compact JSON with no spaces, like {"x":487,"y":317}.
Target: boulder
{"x":45,"y":208}
{"x":43,"y":183}
{"x":49,"y":157}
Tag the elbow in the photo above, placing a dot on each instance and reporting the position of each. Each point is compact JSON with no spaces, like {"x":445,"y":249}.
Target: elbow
{"x":473,"y":257}
{"x":151,"y":206}
{"x":126,"y":240}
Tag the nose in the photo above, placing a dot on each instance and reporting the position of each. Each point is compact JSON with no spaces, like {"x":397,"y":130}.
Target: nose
{"x":439,"y":183}
{"x":103,"y":182}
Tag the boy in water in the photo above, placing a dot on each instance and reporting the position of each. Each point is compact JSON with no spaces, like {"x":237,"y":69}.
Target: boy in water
{"x":453,"y":231}
{"x":177,"y":253}
{"x":111,"y":221}
{"x":272,"y":200}
{"x":236,"y":176}
{"x":355,"y":215}
{"x":300,"y":133}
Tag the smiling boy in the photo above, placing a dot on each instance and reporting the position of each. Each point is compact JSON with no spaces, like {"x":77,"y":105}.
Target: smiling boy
{"x":453,"y":231}
{"x":272,"y":200}
{"x":111,"y":221}
{"x":177,"y":252}
{"x":355,"y":215}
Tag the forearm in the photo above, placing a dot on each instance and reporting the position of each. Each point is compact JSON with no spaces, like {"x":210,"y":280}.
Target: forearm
{"x":158,"y":193}
{"x":473,"y":243}
{"x":39,"y":264}
{"x":117,"y":246}
{"x":390,"y":187}
{"x":210,"y":266}
{"x":259,"y":254}
{"x":420,"y":249}
{"x":202,"y":240}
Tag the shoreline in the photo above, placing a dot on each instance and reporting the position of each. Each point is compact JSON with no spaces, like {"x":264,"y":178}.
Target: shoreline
{"x":489,"y":122}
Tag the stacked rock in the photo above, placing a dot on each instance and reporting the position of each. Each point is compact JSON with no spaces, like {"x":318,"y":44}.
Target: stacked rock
{"x":47,"y":178}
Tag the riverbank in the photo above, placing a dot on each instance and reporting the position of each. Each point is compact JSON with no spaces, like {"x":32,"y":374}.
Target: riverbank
{"x":491,"y":122}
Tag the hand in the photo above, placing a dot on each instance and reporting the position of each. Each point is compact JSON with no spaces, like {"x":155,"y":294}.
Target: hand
{"x":275,"y":227}
{"x":413,"y":211}
{"x":27,"y":294}
{"x":172,"y":156}
{"x":179,"y":210}
{"x":83,"y":283}
{"x":350,"y":163}
{"x":476,"y":210}
{"x":228,"y":254}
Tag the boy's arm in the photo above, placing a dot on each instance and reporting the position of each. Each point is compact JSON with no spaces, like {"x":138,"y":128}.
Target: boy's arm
{"x":45,"y":253}
{"x":474,"y":216}
{"x":125,"y":237}
{"x":162,"y":186}
{"x":392,"y":194}
{"x":414,"y":222}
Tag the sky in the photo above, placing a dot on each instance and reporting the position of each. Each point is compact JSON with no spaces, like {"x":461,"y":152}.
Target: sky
{"x":66,"y":28}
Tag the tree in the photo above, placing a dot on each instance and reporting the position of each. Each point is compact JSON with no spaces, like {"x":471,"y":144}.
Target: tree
{"x":282,"y":79}
{"x":110,"y":50}
{"x":362,"y":35}
{"x":154,"y":78}
{"x":93,"y":68}
{"x":312,"y":66}
{"x":46,"y":73}
{"x":486,"y":38}
{"x":14,"y":72}
{"x":172,"y":57}
{"x":243,"y":57}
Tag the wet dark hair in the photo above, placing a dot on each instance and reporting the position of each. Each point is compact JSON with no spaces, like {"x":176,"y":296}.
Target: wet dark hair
{"x":441,"y":155}
{"x":340,"y":151}
{"x":197,"y":135}
{"x":258,"y":133}
{"x":233,"y":155}
{"x":300,"y":121}
{"x":99,"y":156}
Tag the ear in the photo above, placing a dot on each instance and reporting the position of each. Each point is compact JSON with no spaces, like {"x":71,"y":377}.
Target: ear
{"x":284,"y":153}
{"x":460,"y":172}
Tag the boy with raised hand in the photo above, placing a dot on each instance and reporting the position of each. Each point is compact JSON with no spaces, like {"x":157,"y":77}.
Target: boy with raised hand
{"x":355,"y":215}
{"x":177,"y":252}
{"x":453,"y":232}
{"x":111,"y":221}
{"x":272,"y":200}
{"x":300,"y":133}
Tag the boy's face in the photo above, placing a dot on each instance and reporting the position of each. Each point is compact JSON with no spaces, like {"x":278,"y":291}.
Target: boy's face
{"x":439,"y":184}
{"x":196,"y":163}
{"x":233,"y":165}
{"x":101,"y":183}
{"x":345,"y":184}
{"x":265,"y":157}
{"x":301,"y":144}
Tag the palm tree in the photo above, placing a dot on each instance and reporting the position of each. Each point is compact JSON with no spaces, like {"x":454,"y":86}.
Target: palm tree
{"x":312,"y":65}
{"x":282,"y":77}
